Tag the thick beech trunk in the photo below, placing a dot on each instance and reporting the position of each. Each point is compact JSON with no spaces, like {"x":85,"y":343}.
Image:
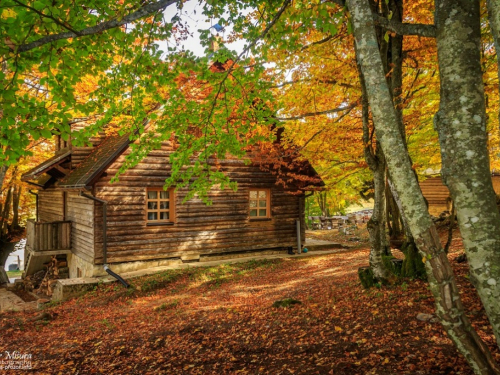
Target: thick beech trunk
{"x":377,"y":224}
{"x":377,"y":229}
{"x":441,"y":279}
{"x":461,"y":124}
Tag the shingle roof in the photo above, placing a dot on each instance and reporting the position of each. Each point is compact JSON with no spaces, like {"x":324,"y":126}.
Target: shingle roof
{"x":96,"y":162}
{"x":45,"y":166}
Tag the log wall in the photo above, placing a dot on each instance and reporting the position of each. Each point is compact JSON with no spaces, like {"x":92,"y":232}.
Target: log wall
{"x":223,"y":227}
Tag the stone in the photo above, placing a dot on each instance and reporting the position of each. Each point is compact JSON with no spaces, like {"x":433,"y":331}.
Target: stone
{"x":425,"y":317}
{"x":45,"y":316}
{"x":42,"y":302}
{"x":68,"y":288}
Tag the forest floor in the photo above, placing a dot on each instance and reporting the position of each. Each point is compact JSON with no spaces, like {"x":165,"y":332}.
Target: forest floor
{"x":221,"y":320}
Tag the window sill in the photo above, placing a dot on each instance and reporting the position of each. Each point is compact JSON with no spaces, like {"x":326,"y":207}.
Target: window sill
{"x":261,"y":219}
{"x":159,"y":224}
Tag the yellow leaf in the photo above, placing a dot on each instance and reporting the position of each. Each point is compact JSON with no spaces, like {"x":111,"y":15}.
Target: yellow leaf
{"x":338,"y":329}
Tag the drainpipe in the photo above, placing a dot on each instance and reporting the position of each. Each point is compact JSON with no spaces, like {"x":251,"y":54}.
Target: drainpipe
{"x":36,"y":203}
{"x":105,"y":238}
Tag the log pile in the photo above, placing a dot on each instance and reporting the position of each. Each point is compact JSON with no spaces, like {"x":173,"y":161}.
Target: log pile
{"x":43,"y":281}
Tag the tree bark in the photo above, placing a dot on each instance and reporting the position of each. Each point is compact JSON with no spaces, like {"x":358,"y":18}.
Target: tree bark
{"x":441,"y":279}
{"x":461,"y":125}
{"x":4,"y":254}
{"x":376,"y":226}
{"x":15,"y":206}
{"x":450,"y":229}
{"x":4,"y":219}
{"x":3,"y":172}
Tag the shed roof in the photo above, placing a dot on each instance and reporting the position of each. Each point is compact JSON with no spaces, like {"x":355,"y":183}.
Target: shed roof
{"x":46,"y":166}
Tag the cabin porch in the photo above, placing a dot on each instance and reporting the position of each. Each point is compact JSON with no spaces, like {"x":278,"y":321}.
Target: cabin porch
{"x":43,"y":240}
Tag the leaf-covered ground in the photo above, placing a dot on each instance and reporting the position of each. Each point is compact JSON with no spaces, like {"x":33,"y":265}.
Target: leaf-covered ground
{"x":220,"y":320}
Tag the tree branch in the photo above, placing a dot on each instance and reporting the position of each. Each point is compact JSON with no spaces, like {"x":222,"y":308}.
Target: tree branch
{"x":325,"y":81}
{"x":328,"y":38}
{"x":103,"y":26}
{"x":312,"y":114}
{"x":427,"y":31}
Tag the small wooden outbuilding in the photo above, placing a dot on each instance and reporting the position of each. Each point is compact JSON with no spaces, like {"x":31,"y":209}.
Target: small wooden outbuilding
{"x":438,"y":196}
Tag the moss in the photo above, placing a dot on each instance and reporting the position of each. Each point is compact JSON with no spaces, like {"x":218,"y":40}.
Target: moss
{"x":413,"y":266}
{"x":392,"y":264}
{"x":287,"y":302}
{"x":366,"y":277}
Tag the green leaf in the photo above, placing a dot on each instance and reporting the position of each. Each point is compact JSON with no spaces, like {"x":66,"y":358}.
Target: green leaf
{"x":46,"y":133}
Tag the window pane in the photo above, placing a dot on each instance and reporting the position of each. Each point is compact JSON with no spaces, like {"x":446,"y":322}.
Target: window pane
{"x":262,"y":194}
{"x":253,"y":194}
{"x":164,"y":216}
{"x":164,"y":205}
{"x":152,"y":216}
{"x":164,"y":195}
{"x":262,"y":203}
{"x":253,"y":203}
{"x":253,"y":212}
{"x":152,"y":194}
{"x":262,"y":212}
{"x":152,"y":205}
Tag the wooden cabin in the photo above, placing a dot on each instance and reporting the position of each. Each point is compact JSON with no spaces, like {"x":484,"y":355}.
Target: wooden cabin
{"x":438,"y":195}
{"x":146,"y":226}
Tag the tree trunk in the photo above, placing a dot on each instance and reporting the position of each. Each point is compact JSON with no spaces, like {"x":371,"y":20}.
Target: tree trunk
{"x":3,"y":172}
{"x":4,"y":254}
{"x":395,"y":230}
{"x":15,"y":207}
{"x":450,"y":229}
{"x":376,"y":229}
{"x":4,"y":219}
{"x":376,"y":226}
{"x":441,"y":279}
{"x":461,"y":125}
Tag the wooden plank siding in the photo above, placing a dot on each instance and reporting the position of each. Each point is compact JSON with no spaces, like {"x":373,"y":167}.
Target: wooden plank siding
{"x":80,"y":211}
{"x":50,"y":205}
{"x":437,"y":193}
{"x":221,"y":227}
{"x":49,"y":236}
